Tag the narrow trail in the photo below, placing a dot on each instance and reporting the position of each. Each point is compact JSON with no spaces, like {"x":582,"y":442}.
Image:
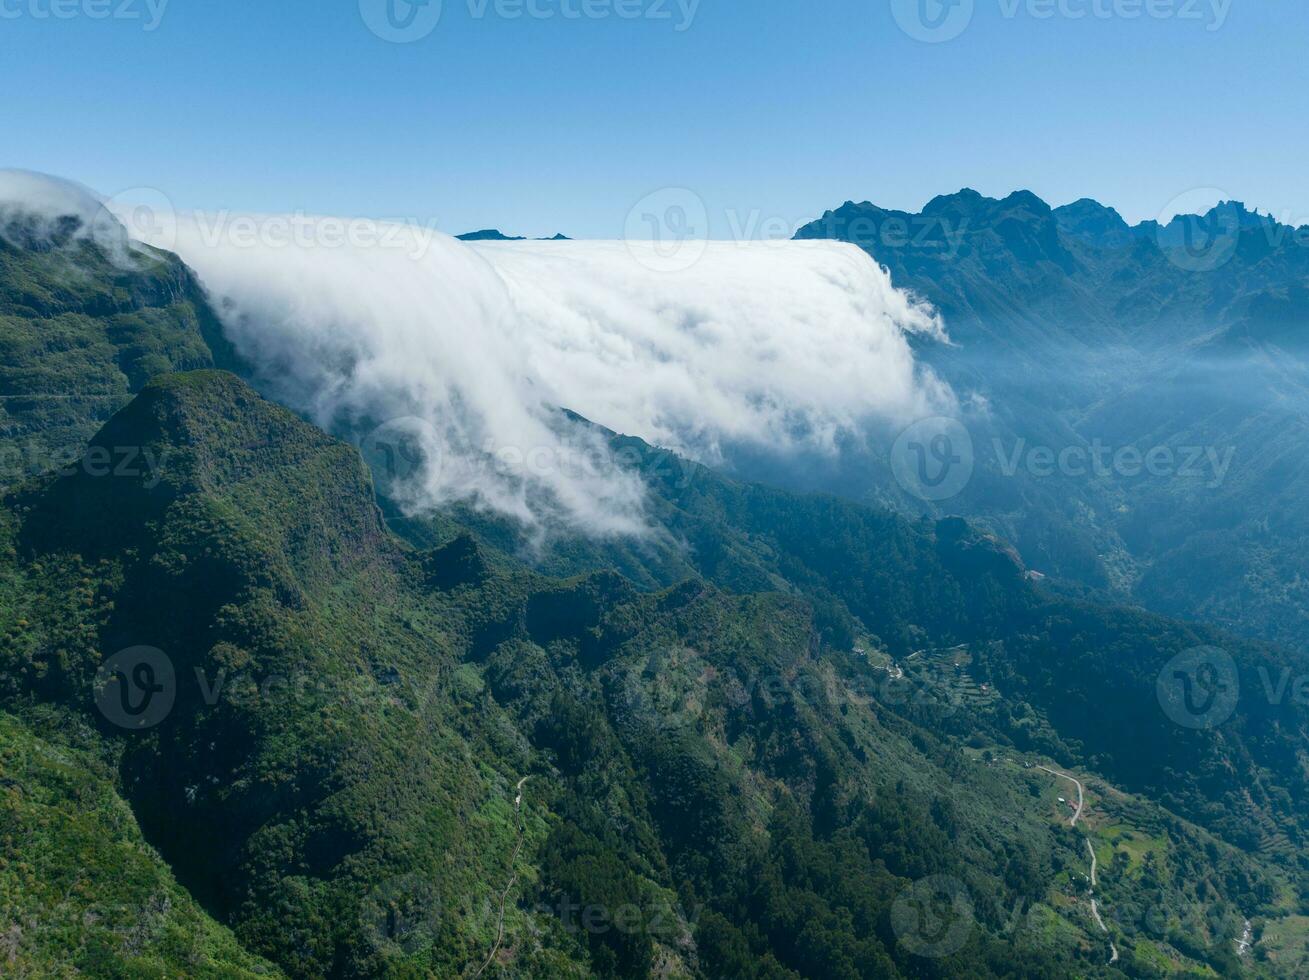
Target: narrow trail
{"x":1095,"y":863}
{"x":513,"y":879}
{"x":1095,"y":911}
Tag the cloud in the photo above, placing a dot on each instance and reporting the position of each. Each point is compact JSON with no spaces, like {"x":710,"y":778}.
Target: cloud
{"x":772,"y":344}
{"x":27,"y":193}
{"x":36,"y":207}
{"x":449,"y":362}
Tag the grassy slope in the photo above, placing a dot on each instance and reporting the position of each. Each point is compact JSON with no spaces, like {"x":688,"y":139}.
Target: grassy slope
{"x":81,"y":893}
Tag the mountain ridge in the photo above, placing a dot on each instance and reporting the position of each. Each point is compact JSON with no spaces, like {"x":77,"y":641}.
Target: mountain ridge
{"x":391,"y":757}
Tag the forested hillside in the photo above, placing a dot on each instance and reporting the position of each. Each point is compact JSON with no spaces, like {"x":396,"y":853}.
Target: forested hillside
{"x":249,"y":729}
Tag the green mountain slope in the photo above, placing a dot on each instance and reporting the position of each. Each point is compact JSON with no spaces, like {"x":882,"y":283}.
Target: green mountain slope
{"x":1089,"y":668}
{"x":352,"y":720}
{"x":797,"y":737}
{"x":82,"y":328}
{"x":81,"y":893}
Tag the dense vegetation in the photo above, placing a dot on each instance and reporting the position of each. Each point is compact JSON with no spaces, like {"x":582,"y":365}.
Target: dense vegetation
{"x":796,"y":737}
{"x":82,"y":328}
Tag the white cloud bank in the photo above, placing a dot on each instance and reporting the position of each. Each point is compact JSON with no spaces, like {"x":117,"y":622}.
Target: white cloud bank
{"x":34,"y":206}
{"x":468,"y":350}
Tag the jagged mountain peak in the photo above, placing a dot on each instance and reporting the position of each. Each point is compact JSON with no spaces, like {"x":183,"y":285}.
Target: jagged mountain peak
{"x":1090,"y":221}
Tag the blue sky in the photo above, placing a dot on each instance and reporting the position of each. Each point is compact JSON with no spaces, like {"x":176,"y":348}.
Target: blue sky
{"x":767,"y":110}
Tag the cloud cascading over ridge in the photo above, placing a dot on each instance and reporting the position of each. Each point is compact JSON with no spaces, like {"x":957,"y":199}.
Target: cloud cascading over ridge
{"x":772,"y":343}
{"x":470,"y":350}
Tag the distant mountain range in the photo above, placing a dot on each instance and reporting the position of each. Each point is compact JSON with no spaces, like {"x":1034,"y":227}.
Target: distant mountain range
{"x":494,"y":235}
{"x":1071,"y":329}
{"x":1052,"y":275}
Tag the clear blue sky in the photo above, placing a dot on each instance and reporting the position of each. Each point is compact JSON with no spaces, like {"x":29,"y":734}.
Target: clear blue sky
{"x":779,"y":107}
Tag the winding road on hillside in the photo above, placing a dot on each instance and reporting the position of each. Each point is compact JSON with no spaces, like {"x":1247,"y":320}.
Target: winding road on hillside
{"x":1081,"y":794}
{"x":513,"y":878}
{"x":1095,"y":864}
